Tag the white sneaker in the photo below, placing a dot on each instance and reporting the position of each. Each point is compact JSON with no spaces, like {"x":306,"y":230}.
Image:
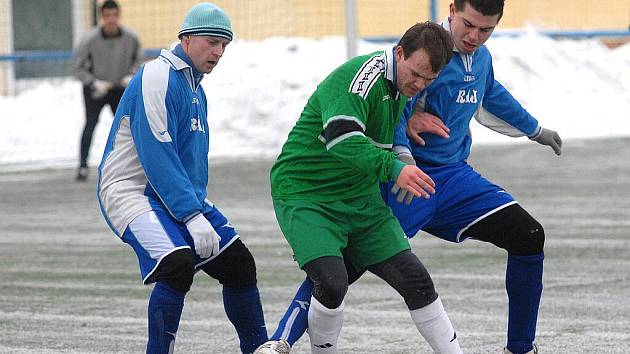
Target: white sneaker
{"x":533,"y":351}
{"x":274,"y":347}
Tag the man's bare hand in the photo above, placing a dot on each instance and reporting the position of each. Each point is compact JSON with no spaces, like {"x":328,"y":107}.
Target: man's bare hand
{"x":412,"y":179}
{"x":423,"y":122}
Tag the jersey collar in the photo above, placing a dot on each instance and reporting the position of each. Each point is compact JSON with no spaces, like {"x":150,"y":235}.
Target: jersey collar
{"x":390,"y":69}
{"x":179,"y":60}
{"x":446,"y":24}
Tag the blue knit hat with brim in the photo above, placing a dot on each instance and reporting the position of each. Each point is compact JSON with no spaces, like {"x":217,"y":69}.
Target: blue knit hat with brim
{"x":206,"y":19}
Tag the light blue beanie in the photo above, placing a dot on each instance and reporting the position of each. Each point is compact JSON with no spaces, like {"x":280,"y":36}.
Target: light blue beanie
{"x":206,"y":19}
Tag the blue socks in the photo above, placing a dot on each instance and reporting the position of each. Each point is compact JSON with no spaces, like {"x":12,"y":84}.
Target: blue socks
{"x":244,"y":310}
{"x":242,"y":307}
{"x":523,"y":281}
{"x":295,"y":320}
{"x":165,"y":310}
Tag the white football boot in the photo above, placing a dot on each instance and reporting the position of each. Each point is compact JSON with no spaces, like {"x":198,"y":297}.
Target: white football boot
{"x":274,"y":347}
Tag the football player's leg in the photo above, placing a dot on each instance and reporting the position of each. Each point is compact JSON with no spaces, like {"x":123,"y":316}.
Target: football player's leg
{"x":325,"y":315}
{"x":167,"y":261}
{"x":317,"y":233}
{"x":516,"y":231}
{"x":472,"y":206}
{"x":405,"y":273}
{"x":295,"y":320}
{"x":167,"y":300}
{"x":235,"y":269}
{"x":379,"y":244}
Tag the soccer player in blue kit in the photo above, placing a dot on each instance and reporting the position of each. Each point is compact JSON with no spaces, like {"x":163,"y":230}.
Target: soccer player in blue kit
{"x":465,"y":205}
{"x":152,"y":187}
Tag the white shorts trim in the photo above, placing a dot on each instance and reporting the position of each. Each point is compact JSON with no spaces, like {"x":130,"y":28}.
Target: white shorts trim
{"x":459,"y":234}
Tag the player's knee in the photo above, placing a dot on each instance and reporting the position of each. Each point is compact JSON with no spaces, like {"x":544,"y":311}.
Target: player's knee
{"x":405,"y":273}
{"x":330,"y":280}
{"x":418,"y":291}
{"x":330,"y":291}
{"x":511,"y":228}
{"x":176,"y":270}
{"x":234,"y":267}
{"x":529,"y":239}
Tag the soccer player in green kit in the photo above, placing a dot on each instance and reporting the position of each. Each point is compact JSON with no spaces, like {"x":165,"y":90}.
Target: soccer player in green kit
{"x":325,"y":186}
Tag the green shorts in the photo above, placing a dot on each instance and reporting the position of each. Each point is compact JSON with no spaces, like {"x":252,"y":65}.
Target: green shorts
{"x":361,"y":229}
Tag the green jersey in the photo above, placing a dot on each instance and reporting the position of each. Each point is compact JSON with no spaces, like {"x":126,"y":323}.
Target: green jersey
{"x":339,"y":147}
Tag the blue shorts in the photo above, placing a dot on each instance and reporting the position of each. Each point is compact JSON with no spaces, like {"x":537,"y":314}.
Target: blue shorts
{"x":155,"y":234}
{"x":462,"y":198}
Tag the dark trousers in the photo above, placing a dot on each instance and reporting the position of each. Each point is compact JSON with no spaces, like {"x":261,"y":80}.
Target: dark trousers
{"x":93,"y":108}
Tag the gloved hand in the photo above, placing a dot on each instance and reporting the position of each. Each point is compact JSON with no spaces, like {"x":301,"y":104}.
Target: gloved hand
{"x":124,"y":82}
{"x":551,"y":138}
{"x":401,"y":193}
{"x":100,"y":88}
{"x":203,"y":234}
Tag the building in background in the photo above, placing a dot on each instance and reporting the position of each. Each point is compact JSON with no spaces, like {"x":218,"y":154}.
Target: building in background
{"x":36,"y":36}
{"x":156,"y":20}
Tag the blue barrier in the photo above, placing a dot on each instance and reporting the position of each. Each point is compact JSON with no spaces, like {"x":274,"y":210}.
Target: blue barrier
{"x":41,"y":55}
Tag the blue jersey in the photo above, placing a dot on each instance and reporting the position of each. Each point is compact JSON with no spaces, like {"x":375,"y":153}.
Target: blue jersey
{"x":156,"y":156}
{"x":464,"y":89}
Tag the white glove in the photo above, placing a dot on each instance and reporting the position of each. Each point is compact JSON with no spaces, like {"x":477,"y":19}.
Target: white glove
{"x":124,"y":82}
{"x":551,"y":138}
{"x":100,"y":88}
{"x":403,"y":194}
{"x":206,"y":239}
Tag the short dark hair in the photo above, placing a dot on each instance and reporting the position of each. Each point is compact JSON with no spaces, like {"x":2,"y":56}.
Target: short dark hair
{"x":431,"y":37}
{"x":109,"y":4}
{"x":486,"y":7}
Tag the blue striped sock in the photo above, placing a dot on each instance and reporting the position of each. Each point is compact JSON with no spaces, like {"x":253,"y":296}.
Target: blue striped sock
{"x":295,"y":320}
{"x":244,"y":310}
{"x":164,"y":311}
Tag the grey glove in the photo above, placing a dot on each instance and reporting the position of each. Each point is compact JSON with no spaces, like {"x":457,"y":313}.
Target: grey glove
{"x":403,"y":194}
{"x":551,"y":138}
{"x":100,"y":88}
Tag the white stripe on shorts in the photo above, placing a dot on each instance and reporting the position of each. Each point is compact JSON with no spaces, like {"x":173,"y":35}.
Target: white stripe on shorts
{"x":151,"y":235}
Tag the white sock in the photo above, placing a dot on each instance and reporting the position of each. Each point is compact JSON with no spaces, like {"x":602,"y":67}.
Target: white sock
{"x":324,"y":326}
{"x":434,"y":325}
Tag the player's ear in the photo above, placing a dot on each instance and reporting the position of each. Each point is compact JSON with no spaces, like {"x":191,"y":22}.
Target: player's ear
{"x":185,"y":41}
{"x":399,"y":53}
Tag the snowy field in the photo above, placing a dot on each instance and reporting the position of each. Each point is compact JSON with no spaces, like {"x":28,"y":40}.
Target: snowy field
{"x":579,"y":88}
{"x":68,"y":286}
